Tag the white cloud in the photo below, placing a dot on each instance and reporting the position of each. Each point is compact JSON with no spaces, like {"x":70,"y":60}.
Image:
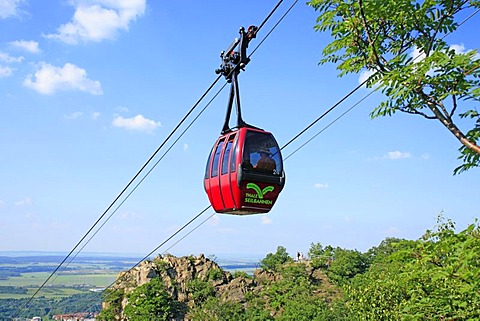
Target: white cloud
{"x":29,"y":46}
{"x":27,"y":201}
{"x":138,"y":123}
{"x":95,"y":115}
{"x":397,"y":155}
{"x":48,"y":79}
{"x":9,"y":8}
{"x":426,"y":156}
{"x":185,"y":147}
{"x":266,"y":220}
{"x":9,"y":59}
{"x":320,"y":186}
{"x":460,"y":49}
{"x":74,"y":115}
{"x":5,"y":71}
{"x":98,"y":20}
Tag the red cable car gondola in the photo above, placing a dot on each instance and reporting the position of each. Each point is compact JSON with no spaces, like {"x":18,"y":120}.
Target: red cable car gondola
{"x":244,"y":173}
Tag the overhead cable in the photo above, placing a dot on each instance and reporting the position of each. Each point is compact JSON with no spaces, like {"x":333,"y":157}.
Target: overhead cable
{"x":134,"y":178}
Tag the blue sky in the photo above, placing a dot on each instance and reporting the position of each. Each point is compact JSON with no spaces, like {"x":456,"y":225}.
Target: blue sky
{"x":90,"y":88}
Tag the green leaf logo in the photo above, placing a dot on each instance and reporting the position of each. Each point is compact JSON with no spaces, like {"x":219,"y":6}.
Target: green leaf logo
{"x":259,"y":191}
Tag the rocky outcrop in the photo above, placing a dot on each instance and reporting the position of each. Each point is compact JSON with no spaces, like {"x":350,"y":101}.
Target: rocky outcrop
{"x":178,"y":275}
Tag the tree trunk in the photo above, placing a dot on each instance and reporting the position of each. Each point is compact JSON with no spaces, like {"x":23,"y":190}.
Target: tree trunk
{"x":454,"y":129}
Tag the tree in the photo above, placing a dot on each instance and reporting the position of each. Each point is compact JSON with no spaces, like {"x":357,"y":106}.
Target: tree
{"x":273,"y":260}
{"x":319,"y":256}
{"x":385,"y":248}
{"x":151,"y":302}
{"x":438,"y":83}
{"x":214,"y":309}
{"x":113,"y":304}
{"x":346,"y":264}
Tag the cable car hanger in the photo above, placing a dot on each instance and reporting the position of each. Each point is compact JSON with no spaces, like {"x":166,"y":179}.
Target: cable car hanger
{"x":234,"y":61}
{"x":244,"y":173}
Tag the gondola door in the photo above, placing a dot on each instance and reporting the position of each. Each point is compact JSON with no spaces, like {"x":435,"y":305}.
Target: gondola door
{"x":227,"y":174}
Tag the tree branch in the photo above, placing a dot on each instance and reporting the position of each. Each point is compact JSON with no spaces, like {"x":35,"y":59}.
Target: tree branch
{"x":408,"y":110}
{"x":454,"y":100}
{"x":448,"y":123}
{"x":444,"y":110}
{"x":380,"y":61}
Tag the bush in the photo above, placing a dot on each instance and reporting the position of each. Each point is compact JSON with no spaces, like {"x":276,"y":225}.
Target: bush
{"x":434,"y":278}
{"x":151,"y":302}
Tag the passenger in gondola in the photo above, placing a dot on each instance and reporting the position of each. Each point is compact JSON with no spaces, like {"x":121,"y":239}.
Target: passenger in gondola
{"x":265,"y":163}
{"x":247,"y":164}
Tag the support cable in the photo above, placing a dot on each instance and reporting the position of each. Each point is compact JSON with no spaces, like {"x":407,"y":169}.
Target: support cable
{"x":185,"y":130}
{"x":198,"y":215}
{"x":143,"y":178}
{"x":303,"y":132}
{"x":133,"y":179}
{"x":119,"y":195}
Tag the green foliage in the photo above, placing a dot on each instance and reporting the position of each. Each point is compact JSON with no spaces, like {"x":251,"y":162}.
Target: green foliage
{"x":346,"y":264}
{"x":200,"y":290}
{"x":384,"y":249}
{"x":380,"y":36}
{"x":113,"y":301}
{"x":319,"y":256}
{"x":435,"y":278}
{"x":214,"y":274}
{"x":241,"y":274}
{"x":150,"y":302}
{"x":215,"y":310}
{"x":46,"y":307}
{"x":161,"y":264}
{"x":273,"y":260}
{"x":291,"y":297}
{"x":376,"y":294}
{"x":341,"y":264}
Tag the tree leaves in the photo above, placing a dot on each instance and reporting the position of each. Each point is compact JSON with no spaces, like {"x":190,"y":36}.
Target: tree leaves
{"x":381,"y":35}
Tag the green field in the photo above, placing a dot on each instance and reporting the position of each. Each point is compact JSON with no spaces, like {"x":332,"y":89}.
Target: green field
{"x":21,"y":276}
{"x":61,"y":286}
{"x":35,"y":279}
{"x":53,"y":292}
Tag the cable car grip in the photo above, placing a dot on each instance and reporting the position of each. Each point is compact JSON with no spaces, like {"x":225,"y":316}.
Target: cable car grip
{"x":233,"y":61}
